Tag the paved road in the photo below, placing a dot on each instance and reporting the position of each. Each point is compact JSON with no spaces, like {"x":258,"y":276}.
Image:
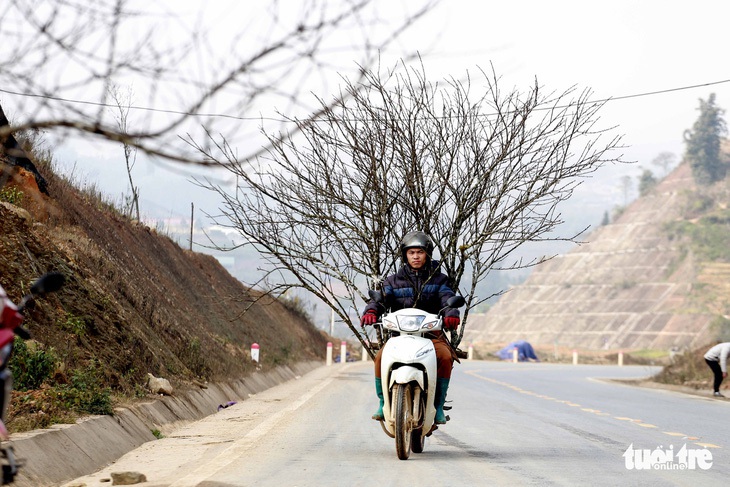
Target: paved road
{"x":512,"y":424}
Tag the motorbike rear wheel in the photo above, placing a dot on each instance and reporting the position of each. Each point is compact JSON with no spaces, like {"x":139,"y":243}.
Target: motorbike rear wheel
{"x":403,"y":420}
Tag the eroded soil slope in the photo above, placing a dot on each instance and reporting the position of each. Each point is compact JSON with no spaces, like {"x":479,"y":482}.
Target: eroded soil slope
{"x":135,"y":302}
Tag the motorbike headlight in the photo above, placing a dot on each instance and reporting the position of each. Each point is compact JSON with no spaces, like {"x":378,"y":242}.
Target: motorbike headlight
{"x":410,"y":323}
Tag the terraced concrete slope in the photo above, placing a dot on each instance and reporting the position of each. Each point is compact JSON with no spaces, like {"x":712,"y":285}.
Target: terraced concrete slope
{"x":629,"y":287}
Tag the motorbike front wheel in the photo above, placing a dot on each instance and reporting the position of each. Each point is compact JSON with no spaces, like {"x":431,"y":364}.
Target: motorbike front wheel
{"x":418,"y":440}
{"x":403,"y":420}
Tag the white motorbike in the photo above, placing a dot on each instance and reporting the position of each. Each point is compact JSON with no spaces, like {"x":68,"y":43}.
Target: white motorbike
{"x":408,"y":371}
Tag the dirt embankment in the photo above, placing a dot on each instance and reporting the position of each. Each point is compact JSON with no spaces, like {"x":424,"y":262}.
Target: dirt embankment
{"x":135,"y":302}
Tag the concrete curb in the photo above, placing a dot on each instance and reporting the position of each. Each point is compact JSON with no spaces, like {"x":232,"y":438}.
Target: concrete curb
{"x":64,"y":452}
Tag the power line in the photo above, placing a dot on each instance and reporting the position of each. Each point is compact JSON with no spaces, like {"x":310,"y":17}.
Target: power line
{"x":132,"y":107}
{"x":223,"y":115}
{"x":659,"y":92}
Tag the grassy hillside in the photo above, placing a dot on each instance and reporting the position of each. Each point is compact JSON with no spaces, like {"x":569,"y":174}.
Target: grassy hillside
{"x":656,"y":278}
{"x":135,"y":303}
{"x":702,"y":234}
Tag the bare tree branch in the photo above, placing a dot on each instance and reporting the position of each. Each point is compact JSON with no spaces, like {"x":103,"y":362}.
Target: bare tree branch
{"x":60,"y":58}
{"x":480,"y":170}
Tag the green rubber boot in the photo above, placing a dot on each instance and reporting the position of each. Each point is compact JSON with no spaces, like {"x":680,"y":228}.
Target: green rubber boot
{"x":378,"y":416}
{"x":442,"y":385}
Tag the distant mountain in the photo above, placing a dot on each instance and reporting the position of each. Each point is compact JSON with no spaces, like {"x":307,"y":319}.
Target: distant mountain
{"x":646,"y":280}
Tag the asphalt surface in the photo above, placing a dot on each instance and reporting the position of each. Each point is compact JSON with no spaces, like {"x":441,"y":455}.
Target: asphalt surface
{"x":512,"y":424}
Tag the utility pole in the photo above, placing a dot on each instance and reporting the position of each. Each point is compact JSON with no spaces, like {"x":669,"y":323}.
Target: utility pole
{"x":192,"y":210}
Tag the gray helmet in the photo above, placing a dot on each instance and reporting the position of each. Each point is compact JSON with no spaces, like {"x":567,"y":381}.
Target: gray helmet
{"x":415,"y":240}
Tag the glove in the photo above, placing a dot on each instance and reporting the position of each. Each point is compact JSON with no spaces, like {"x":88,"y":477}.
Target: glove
{"x":369,"y":318}
{"x":451,"y":322}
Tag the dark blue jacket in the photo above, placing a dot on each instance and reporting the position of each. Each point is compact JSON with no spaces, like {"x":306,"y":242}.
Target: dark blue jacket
{"x":425,"y":289}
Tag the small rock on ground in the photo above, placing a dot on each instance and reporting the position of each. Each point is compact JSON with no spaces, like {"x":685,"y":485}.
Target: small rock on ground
{"x":127,"y":478}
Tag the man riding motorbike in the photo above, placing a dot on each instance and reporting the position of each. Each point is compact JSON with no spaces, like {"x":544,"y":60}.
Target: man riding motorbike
{"x":418,"y":284}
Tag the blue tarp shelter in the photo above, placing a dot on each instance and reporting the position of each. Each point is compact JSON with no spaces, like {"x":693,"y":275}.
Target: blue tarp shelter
{"x":525,"y":351}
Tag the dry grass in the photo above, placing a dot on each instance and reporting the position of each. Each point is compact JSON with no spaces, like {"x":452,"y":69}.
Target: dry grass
{"x":687,"y":369}
{"x":135,"y":302}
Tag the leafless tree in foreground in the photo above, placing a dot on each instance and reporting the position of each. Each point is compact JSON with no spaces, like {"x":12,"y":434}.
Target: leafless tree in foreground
{"x":59,"y":59}
{"x":480,"y":170}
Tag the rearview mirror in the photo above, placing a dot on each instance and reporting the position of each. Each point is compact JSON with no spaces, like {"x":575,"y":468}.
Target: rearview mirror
{"x":48,"y":283}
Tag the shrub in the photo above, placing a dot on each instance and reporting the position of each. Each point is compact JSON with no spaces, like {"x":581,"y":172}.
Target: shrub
{"x":74,"y":325}
{"x":296,"y":305}
{"x":31,"y":366}
{"x":707,"y":235}
{"x":86,"y":393}
{"x":194,"y":359}
{"x":12,"y":195}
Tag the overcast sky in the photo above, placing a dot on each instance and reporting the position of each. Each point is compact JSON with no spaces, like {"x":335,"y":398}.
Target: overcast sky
{"x":619,"y":49}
